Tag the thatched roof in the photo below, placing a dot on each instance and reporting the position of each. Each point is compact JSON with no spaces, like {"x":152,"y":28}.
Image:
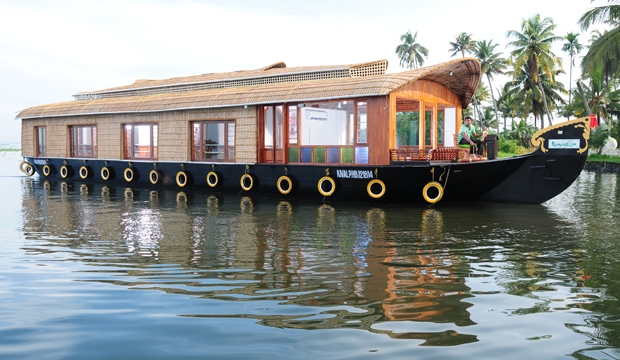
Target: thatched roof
{"x":282,"y":86}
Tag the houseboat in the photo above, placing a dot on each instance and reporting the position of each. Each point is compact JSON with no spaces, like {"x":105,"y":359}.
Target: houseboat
{"x":347,"y":133}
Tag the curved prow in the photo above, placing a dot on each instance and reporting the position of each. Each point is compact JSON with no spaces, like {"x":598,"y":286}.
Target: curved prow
{"x":551,"y":168}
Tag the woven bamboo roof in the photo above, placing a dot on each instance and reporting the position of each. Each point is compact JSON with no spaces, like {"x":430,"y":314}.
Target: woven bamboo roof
{"x":460,"y":76}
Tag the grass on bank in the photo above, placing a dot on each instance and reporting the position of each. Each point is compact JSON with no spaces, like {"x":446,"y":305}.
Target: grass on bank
{"x":9,"y":149}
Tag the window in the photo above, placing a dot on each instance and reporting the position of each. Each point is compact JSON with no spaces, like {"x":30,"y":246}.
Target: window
{"x":213,"y":141}
{"x":41,"y":144}
{"x":83,"y":141}
{"x":407,"y":122}
{"x":361,"y":122}
{"x":140,"y":141}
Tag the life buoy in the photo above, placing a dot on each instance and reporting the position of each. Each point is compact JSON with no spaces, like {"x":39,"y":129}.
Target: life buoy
{"x":83,"y":172}
{"x":370,"y":191}
{"x":288,"y":184}
{"x":64,"y":171}
{"x":46,"y":170}
{"x":105,"y":173}
{"x":181,"y":178}
{"x":154,"y":176}
{"x":22,"y":166}
{"x":332,"y":186}
{"x":246,"y":182}
{"x":212,"y":179}
{"x":29,"y":170}
{"x":432,"y":185}
{"x":128,"y":174}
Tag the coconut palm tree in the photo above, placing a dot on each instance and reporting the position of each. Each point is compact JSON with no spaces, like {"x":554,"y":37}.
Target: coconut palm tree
{"x":509,"y":107}
{"x":491,"y":63}
{"x":532,"y":53}
{"x":605,"y":48}
{"x":526,"y":92}
{"x":572,"y":47}
{"x":599,"y":97}
{"x":463,"y":44}
{"x":410,"y":53}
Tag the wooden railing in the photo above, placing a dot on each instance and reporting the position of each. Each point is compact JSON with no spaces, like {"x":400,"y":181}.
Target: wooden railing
{"x":415,"y":154}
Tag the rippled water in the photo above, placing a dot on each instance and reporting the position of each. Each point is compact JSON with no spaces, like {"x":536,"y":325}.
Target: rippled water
{"x":111,"y":272}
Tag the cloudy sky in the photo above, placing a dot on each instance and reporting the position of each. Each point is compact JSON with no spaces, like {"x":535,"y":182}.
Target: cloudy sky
{"x":50,"y":50}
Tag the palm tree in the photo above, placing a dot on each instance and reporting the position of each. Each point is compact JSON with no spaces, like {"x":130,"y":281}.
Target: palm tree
{"x":463,"y":44}
{"x":532,"y":52}
{"x":410,"y":53}
{"x":600,"y":97}
{"x":491,"y":63}
{"x":481,"y":94}
{"x":509,"y":107}
{"x":605,"y":48}
{"x":572,"y":47}
{"x":523,"y":90}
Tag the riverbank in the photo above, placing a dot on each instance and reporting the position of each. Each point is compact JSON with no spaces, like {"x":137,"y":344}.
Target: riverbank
{"x":602,"y":166}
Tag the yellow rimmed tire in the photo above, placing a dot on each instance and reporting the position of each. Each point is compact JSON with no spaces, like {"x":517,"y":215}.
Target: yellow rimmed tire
{"x":212,"y":179}
{"x":46,"y":170}
{"x":154,"y":176}
{"x":29,"y":170}
{"x":64,"y":171}
{"x":375,"y":188}
{"x":181,"y":178}
{"x":105,"y":173}
{"x":284,"y":184}
{"x":23,"y":165}
{"x":128,"y":174}
{"x":326,"y":182}
{"x":246,"y":182}
{"x":83,"y":172}
{"x":432,"y":192}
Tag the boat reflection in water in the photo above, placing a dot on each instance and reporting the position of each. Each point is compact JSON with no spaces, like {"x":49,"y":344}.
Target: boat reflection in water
{"x":406,"y":272}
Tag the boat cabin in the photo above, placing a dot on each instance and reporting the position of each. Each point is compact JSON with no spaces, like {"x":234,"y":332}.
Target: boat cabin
{"x":347,"y":115}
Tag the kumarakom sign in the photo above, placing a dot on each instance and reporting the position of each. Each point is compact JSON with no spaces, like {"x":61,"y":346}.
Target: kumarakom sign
{"x":564,"y":143}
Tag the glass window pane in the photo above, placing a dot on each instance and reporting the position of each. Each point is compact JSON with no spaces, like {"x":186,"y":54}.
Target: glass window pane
{"x":292,"y":124}
{"x":428,"y":125}
{"x":407,"y":128}
{"x":268,"y":116}
{"x":325,"y":123}
{"x":362,"y":122}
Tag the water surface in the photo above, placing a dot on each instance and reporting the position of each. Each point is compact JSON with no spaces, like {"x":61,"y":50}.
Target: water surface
{"x":92,"y":271}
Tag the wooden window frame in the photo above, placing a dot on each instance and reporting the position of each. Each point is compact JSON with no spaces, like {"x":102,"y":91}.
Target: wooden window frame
{"x":37,"y":145}
{"x":128,"y":141}
{"x":202,"y":148}
{"x":74,"y":150}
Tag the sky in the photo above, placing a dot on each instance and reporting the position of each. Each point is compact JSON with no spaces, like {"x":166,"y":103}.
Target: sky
{"x":51,"y":50}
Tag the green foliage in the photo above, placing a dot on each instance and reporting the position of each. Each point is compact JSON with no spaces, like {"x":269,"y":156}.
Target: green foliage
{"x":407,"y":127}
{"x":507,"y":145}
{"x":604,"y":158}
{"x":598,"y":137}
{"x":521,"y":132}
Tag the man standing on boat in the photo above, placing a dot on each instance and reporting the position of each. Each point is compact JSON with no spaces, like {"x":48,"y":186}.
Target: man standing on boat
{"x":468,"y":136}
